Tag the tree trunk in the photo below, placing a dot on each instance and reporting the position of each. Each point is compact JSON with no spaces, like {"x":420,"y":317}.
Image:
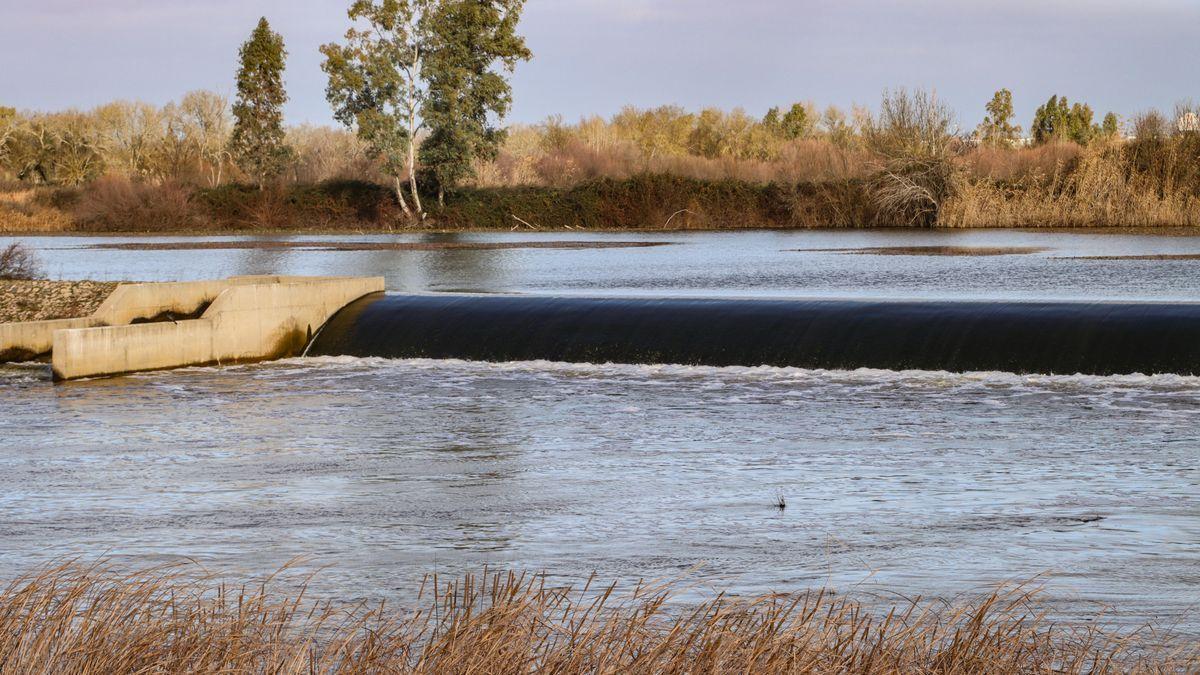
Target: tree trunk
{"x":400,"y":197}
{"x":441,"y":198}
{"x":412,"y":176}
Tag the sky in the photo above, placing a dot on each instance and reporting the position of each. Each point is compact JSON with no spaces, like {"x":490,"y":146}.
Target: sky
{"x":596,"y":56}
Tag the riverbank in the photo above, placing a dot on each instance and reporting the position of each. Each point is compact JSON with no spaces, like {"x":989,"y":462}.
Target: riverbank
{"x":657,"y":202}
{"x":41,"y":300}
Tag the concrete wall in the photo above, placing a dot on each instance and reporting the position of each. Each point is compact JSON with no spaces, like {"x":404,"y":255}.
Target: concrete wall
{"x":126,"y":304}
{"x":248,"y":321}
{"x":28,"y":340}
{"x":131,"y":302}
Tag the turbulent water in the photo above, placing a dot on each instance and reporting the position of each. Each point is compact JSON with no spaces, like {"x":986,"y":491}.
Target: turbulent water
{"x":895,"y":482}
{"x":911,"y":482}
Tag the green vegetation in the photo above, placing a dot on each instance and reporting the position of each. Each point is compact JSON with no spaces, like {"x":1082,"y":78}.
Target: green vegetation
{"x":421,"y":65}
{"x":257,"y":142}
{"x":376,"y":86}
{"x":467,"y":40}
{"x":1058,"y":121}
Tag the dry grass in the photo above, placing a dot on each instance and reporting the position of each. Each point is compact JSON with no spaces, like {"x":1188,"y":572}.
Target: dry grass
{"x":20,"y":212}
{"x":93,"y":619}
{"x":1097,"y":187}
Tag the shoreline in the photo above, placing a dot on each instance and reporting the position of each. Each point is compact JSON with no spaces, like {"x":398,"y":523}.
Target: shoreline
{"x":511,"y":621}
{"x":1166,"y":231}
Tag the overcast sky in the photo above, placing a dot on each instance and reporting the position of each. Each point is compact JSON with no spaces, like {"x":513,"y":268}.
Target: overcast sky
{"x":594,"y":56}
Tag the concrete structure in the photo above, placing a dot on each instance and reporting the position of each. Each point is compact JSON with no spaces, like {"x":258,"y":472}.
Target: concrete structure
{"x":129,"y":303}
{"x":234,"y":320}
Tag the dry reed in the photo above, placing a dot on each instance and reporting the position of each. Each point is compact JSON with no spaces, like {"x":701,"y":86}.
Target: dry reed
{"x":73,"y":618}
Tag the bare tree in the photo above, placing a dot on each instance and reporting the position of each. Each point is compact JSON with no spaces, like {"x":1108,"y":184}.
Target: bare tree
{"x":914,"y":145}
{"x":129,"y":134}
{"x":18,"y":262}
{"x":205,"y":122}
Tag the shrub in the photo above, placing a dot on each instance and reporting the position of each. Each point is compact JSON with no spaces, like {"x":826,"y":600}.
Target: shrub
{"x":914,"y":149}
{"x":18,"y":262}
{"x":115,"y":204}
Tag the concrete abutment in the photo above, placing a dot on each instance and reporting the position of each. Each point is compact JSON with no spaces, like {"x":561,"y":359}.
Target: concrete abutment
{"x":241,"y":319}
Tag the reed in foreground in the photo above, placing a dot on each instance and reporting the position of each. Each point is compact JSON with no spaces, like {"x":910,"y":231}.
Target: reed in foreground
{"x":75,"y":619}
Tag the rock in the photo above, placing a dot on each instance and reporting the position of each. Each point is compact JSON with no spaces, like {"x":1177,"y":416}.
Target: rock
{"x":39,"y":300}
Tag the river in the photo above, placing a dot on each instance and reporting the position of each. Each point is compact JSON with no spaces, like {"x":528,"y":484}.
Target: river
{"x":909,"y":482}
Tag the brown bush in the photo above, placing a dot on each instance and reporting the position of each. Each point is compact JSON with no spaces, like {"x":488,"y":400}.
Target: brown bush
{"x":116,"y":204}
{"x":996,"y":163}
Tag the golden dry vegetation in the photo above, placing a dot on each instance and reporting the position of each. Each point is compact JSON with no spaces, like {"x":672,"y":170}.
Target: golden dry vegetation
{"x":74,"y":618}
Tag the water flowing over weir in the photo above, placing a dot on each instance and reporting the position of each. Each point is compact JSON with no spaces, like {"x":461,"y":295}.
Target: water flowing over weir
{"x":1020,"y":337}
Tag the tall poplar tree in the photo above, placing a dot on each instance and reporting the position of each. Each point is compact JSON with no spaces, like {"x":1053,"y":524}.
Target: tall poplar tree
{"x":257,"y":143}
{"x":473,"y":47}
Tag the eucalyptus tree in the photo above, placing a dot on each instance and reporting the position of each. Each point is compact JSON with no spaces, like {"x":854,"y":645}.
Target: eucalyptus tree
{"x":377,"y":85}
{"x":997,"y":127}
{"x":473,"y":46}
{"x":258,"y":142}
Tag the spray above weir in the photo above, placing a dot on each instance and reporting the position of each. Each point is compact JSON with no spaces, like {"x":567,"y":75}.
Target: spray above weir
{"x":1092,"y":338}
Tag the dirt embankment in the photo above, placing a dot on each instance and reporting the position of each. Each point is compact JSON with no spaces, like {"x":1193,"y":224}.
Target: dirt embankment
{"x":39,"y":300}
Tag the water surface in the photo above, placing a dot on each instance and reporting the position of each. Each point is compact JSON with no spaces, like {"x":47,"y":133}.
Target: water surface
{"x":758,"y":263}
{"x":895,"y":482}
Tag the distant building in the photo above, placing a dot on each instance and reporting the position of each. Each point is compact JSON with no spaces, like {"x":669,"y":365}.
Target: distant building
{"x":1188,"y":122}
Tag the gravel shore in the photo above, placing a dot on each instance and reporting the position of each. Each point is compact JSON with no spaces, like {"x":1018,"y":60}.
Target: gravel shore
{"x":38,"y":300}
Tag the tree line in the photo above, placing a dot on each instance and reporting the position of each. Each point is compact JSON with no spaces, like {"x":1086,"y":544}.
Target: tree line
{"x":422,"y":84}
{"x":420,"y":89}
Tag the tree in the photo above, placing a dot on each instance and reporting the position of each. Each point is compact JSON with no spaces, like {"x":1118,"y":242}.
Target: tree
{"x":837,"y":128}
{"x":1111,"y":127}
{"x":377,"y":85}
{"x":258,"y":144}
{"x":203,"y":119}
{"x":8,"y":129}
{"x":773,"y":120}
{"x":1079,"y":124}
{"x":129,"y":133}
{"x":473,"y":44}
{"x":795,"y":123}
{"x":666,"y":130}
{"x":1058,"y":120}
{"x":1050,"y":121}
{"x":997,"y":127}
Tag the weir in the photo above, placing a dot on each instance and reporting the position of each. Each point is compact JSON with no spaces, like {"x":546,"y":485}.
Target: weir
{"x":1101,"y":338}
